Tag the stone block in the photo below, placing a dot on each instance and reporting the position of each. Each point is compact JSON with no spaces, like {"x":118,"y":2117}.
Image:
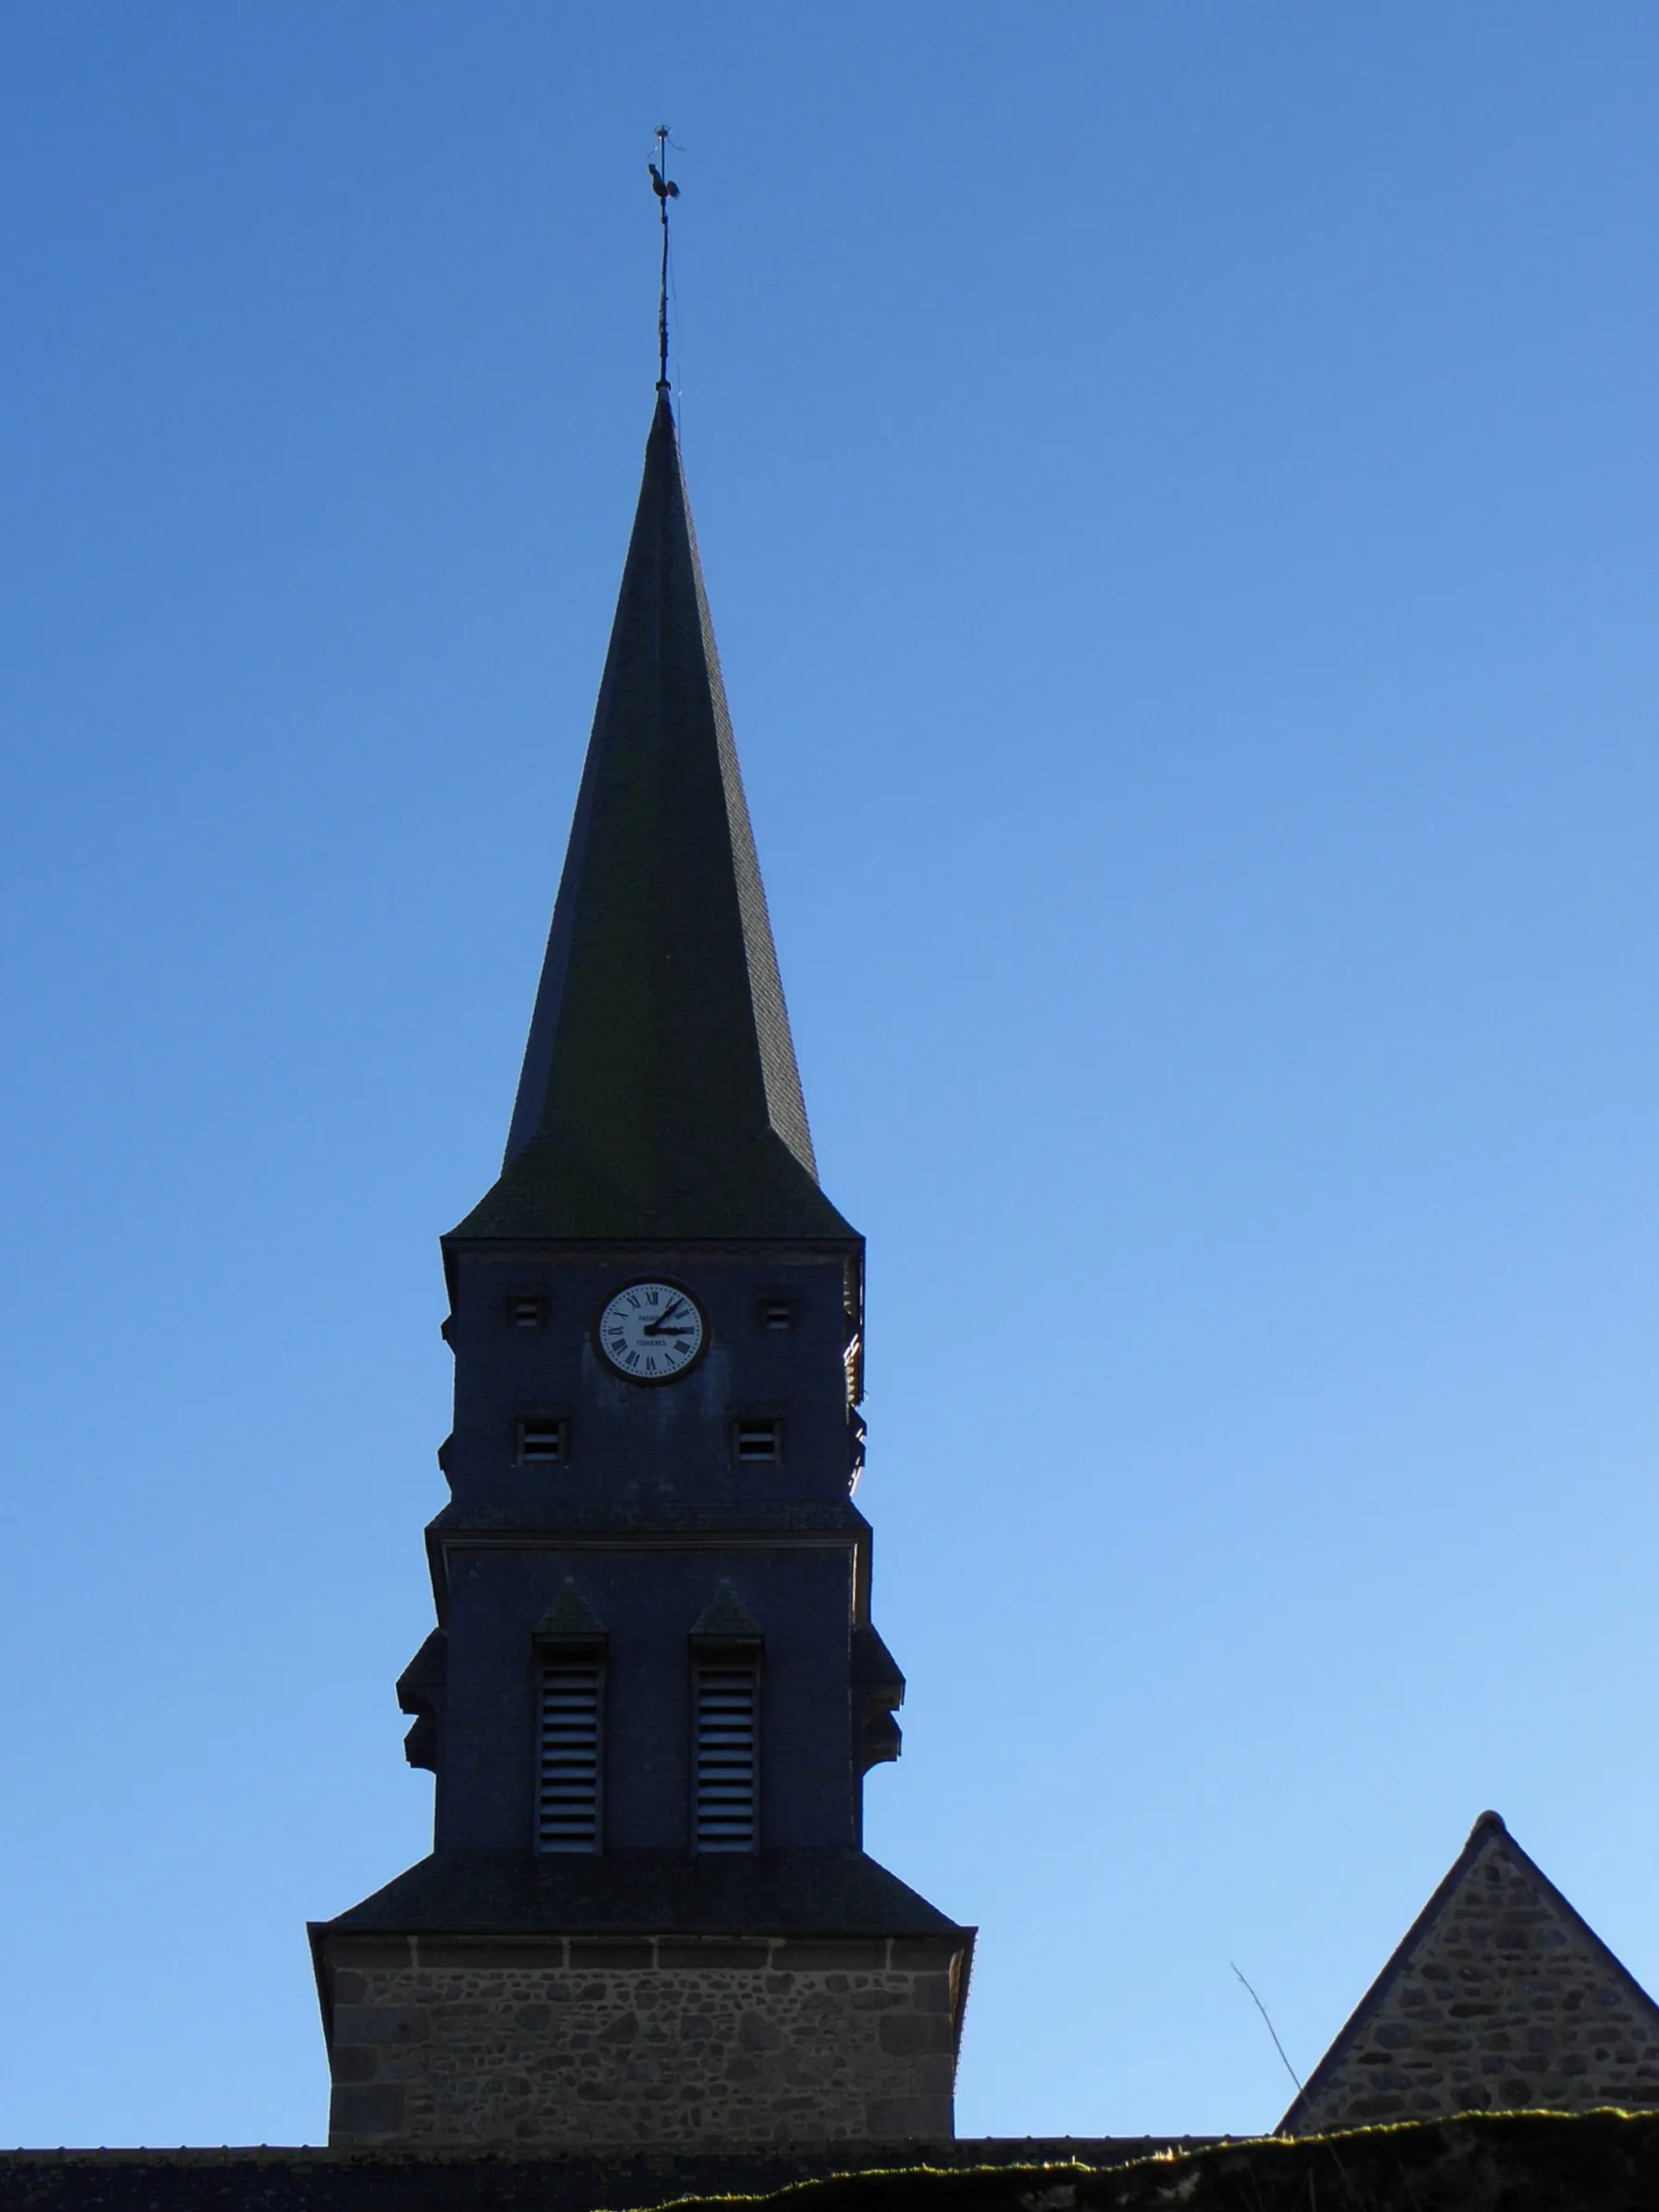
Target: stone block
{"x":381,"y":2023}
{"x":444,"y":1954}
{"x":905,"y":2035}
{"x":916,"y":1953}
{"x":904,"y":2119}
{"x":711,"y":1952}
{"x":368,"y":1950}
{"x":831,"y":1954}
{"x":376,"y":2109}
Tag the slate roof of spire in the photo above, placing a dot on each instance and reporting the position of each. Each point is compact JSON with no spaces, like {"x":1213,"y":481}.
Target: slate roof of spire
{"x":659,"y":1096}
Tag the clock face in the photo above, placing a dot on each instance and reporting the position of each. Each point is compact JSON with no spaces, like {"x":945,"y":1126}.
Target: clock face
{"x":651,"y":1331}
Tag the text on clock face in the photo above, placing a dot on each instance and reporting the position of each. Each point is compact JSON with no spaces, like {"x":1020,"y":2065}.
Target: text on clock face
{"x":650,"y":1330}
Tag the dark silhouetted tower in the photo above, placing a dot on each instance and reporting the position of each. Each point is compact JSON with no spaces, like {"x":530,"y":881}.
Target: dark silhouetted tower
{"x":654,"y":1689}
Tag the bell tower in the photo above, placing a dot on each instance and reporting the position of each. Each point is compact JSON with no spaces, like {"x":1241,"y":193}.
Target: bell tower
{"x":654,"y":1688}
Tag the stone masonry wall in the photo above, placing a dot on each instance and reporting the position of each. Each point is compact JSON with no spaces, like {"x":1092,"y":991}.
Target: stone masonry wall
{"x":1504,"y":2005}
{"x":799,"y":2042}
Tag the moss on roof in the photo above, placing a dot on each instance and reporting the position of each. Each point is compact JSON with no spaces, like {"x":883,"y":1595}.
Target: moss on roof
{"x":1485,"y":2161}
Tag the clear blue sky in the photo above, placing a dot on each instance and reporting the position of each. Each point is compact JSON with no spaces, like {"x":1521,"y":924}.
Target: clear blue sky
{"x":1177,"y":489}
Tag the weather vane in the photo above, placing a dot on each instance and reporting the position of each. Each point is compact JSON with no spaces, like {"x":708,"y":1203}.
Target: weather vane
{"x":666,"y":189}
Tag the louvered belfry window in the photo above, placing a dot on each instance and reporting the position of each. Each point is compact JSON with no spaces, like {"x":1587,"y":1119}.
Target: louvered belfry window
{"x":568,"y":1756}
{"x":725,"y":1775}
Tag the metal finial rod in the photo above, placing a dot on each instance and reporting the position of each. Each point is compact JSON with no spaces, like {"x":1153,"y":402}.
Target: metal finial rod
{"x":665,"y":190}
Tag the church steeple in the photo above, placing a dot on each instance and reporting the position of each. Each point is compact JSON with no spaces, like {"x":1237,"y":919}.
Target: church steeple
{"x":654,"y":1688}
{"x":660,"y":1095}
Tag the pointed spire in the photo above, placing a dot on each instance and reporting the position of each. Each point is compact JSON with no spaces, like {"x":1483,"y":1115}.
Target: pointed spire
{"x":659,"y":1095}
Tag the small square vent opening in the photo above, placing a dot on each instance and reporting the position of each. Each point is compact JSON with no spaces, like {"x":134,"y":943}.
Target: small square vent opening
{"x":757,"y":1441}
{"x":541,"y":1440}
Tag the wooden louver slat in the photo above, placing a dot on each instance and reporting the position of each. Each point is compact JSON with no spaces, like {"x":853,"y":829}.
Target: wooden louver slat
{"x":567,"y":1758}
{"x":725,"y":1793}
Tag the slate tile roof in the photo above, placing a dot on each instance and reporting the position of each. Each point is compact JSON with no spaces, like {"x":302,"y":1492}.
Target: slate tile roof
{"x":660,"y":1098}
{"x":777,"y":1892}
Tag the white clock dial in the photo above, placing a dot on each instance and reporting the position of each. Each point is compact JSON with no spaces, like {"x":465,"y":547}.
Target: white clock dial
{"x":651,"y":1331}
